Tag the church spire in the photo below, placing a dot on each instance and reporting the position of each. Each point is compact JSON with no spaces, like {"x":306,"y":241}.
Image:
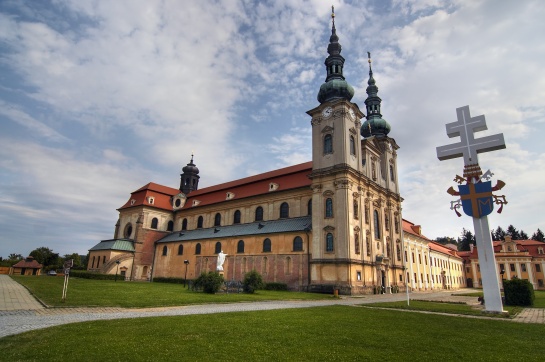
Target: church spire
{"x":375,"y":125}
{"x":335,"y":86}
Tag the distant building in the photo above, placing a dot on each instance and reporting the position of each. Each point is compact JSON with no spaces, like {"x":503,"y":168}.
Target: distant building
{"x":28,"y":266}
{"x":523,"y":259}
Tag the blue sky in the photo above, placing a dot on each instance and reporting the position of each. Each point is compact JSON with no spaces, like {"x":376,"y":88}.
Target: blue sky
{"x":98,"y":98}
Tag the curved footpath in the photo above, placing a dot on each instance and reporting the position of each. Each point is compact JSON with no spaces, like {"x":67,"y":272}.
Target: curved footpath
{"x":20,"y":312}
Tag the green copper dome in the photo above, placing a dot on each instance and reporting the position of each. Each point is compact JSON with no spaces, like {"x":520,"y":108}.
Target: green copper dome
{"x":375,"y":127}
{"x":335,"y":89}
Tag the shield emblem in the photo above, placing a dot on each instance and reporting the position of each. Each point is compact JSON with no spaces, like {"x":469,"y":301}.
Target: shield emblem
{"x":477,"y":199}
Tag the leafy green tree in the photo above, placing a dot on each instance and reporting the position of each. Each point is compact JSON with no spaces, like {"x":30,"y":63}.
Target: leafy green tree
{"x":538,"y":235}
{"x":209,"y":282}
{"x":252,"y":282}
{"x":46,"y":257}
{"x":515,"y":234}
{"x":14,"y":256}
{"x":75,"y":257}
{"x":465,"y":239}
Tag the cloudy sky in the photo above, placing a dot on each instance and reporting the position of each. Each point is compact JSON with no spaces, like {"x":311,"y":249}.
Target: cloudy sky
{"x":98,"y":98}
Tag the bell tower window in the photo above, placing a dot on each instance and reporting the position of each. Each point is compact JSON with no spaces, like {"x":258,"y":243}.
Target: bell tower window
{"x":328,"y":144}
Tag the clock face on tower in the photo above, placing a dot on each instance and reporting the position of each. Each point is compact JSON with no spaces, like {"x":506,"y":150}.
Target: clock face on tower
{"x":327,"y":112}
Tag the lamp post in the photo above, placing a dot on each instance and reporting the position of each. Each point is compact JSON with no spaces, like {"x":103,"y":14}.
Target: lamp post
{"x":117,"y":270}
{"x":186,"y":262}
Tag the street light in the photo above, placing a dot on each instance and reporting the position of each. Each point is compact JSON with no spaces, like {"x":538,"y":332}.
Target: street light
{"x":186,"y":262}
{"x":117,"y":262}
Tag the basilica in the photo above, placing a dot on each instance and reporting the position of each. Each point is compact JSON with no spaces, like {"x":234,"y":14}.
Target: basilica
{"x":333,"y":223}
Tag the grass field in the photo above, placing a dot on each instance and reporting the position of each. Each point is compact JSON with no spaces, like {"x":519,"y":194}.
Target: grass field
{"x":317,"y":334}
{"x":107,"y":293}
{"x":451,"y":308}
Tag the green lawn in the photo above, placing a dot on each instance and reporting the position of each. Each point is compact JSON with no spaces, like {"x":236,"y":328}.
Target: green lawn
{"x":107,"y":293}
{"x":452,"y":308}
{"x":318,"y":334}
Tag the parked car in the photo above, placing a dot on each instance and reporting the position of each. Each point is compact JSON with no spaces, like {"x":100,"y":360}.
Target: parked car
{"x":52,"y":273}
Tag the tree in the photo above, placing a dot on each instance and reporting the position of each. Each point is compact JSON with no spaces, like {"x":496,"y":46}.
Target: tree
{"x":513,"y":232}
{"x":15,"y":257}
{"x":538,"y":235}
{"x":46,"y":257}
{"x":252,"y":282}
{"x":75,"y":257}
{"x":446,"y":240}
{"x":465,"y":240}
{"x":498,"y":234}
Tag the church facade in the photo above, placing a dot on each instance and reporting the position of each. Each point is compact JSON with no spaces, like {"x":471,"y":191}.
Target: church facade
{"x":332,"y":223}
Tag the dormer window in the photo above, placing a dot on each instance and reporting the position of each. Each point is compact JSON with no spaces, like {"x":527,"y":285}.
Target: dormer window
{"x":133,"y":201}
{"x":196,"y":202}
{"x":273,"y":186}
{"x":230,"y":196}
{"x":151,"y":200}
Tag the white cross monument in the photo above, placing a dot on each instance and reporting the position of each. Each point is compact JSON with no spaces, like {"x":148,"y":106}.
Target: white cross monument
{"x":468,"y":148}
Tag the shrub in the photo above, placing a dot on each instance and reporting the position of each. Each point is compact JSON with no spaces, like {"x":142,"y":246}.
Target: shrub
{"x":96,"y":276}
{"x":209,"y":282}
{"x":518,"y":292}
{"x":252,"y":282}
{"x":276,"y":286}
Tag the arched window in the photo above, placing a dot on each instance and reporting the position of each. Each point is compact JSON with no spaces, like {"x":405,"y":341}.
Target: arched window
{"x":328,"y":144}
{"x":329,"y":242}
{"x":398,"y":252}
{"x":297,"y":244}
{"x":259,"y":214}
{"x":154,"y":223}
{"x":199,"y":222}
{"x":309,"y":207}
{"x":180,"y":249}
{"x":267,"y":245}
{"x":357,"y":243}
{"x":170,"y":225}
{"x":198,"y":249}
{"x":288,"y":265}
{"x":236,"y":218}
{"x":128,"y":231}
{"x":184,"y":224}
{"x":377,"y":225}
{"x":352,"y":146}
{"x":328,"y":207}
{"x":356,"y":209}
{"x":217,"y":249}
{"x":284,"y":210}
{"x":93,"y":265}
{"x":165,"y":250}
{"x":392,"y":178}
{"x":240,"y":246}
{"x":217,"y":219}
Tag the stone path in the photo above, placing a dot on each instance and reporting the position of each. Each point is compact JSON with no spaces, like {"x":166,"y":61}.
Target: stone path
{"x":20,"y":312}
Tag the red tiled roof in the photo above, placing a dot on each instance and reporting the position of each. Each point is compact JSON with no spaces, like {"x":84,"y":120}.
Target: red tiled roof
{"x":413,"y":229}
{"x":287,"y":178}
{"x":29,"y":262}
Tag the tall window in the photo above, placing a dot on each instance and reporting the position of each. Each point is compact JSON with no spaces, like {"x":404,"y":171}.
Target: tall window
{"x":259,"y":214}
{"x":165,"y":250}
{"x":329,"y":242}
{"x":392,"y":178}
{"x":181,"y":250}
{"x":328,"y":207}
{"x":328,"y":144}
{"x":309,"y":208}
{"x":154,"y":223}
{"x":352,"y":146}
{"x":184,"y":224}
{"x":198,"y":249}
{"x":357,"y":243}
{"x":217,"y":249}
{"x":284,"y":210}
{"x":298,"y":244}
{"x":377,"y":225}
{"x":236,"y":218}
{"x":267,"y":245}
{"x":170,"y":225}
{"x":199,"y":222}
{"x":240,"y":246}
{"x":217,"y":219}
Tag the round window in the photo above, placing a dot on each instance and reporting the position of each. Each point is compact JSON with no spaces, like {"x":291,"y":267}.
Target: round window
{"x":178,"y":202}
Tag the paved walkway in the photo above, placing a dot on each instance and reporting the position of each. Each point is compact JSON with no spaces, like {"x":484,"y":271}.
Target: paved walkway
{"x":20,"y":312}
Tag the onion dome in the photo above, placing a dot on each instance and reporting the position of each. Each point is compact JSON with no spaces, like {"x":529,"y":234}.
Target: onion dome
{"x":335,"y":86}
{"x":189,"y":179}
{"x":374,"y":125}
{"x":191,"y":168}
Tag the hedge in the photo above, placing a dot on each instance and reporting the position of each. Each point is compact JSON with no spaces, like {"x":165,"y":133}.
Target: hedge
{"x":97,"y":276}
